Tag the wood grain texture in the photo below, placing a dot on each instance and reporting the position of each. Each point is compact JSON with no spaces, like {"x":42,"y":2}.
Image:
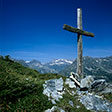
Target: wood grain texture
{"x":80,"y":32}
{"x":79,"y":45}
{"x":77,"y":30}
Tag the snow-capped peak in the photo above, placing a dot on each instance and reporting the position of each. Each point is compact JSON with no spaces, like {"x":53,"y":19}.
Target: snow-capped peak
{"x":63,"y":60}
{"x":60,"y":62}
{"x":27,"y":61}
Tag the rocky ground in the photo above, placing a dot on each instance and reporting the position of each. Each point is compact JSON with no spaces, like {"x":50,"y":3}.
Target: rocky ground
{"x":92,"y":98}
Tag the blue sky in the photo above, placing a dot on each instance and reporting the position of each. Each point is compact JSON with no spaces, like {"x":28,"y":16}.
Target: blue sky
{"x":32,"y":29}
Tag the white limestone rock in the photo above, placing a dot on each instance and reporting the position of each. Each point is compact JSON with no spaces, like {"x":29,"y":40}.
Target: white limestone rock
{"x":86,"y":82}
{"x":92,"y":102}
{"x":53,"y":89}
{"x":77,"y":106}
{"x":101,"y":86}
{"x":71,"y":103}
{"x":54,"y":108}
{"x":70,"y":83}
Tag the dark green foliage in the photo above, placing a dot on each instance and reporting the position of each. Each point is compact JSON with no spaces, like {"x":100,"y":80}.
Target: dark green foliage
{"x":21,"y":88}
{"x":1,"y":57}
{"x":22,"y":62}
{"x":108,"y":96}
{"x":7,"y":57}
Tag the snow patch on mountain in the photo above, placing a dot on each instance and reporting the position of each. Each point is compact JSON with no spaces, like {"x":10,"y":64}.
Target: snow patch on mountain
{"x":89,"y":68}
{"x":27,"y":61}
{"x":60,"y":62}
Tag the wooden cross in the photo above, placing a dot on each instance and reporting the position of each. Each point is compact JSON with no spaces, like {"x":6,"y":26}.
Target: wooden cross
{"x":80,"y":32}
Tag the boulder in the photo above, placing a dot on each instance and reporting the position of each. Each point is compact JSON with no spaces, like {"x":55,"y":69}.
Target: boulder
{"x":108,"y":89}
{"x":53,"y":89}
{"x":92,"y":102}
{"x":70,"y":83}
{"x":100,"y":86}
{"x":86,"y":82}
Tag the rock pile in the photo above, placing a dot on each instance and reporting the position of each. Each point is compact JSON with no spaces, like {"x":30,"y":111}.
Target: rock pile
{"x":96,"y":86}
{"x":90,"y":97}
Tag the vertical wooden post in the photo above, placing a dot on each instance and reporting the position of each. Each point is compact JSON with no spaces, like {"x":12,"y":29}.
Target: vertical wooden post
{"x":79,"y":41}
{"x":79,"y":44}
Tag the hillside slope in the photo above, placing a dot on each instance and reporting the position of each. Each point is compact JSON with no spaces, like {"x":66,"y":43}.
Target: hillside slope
{"x":21,"y":88}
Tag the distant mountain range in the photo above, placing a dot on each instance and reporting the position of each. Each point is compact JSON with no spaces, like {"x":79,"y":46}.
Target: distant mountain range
{"x":59,"y":64}
{"x":54,"y":66}
{"x":98,"y":67}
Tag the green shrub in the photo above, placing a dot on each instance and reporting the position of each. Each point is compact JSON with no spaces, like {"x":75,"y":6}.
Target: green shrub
{"x":21,"y":88}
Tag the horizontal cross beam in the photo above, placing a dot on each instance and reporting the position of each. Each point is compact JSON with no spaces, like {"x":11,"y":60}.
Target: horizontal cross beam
{"x":76,"y":30}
